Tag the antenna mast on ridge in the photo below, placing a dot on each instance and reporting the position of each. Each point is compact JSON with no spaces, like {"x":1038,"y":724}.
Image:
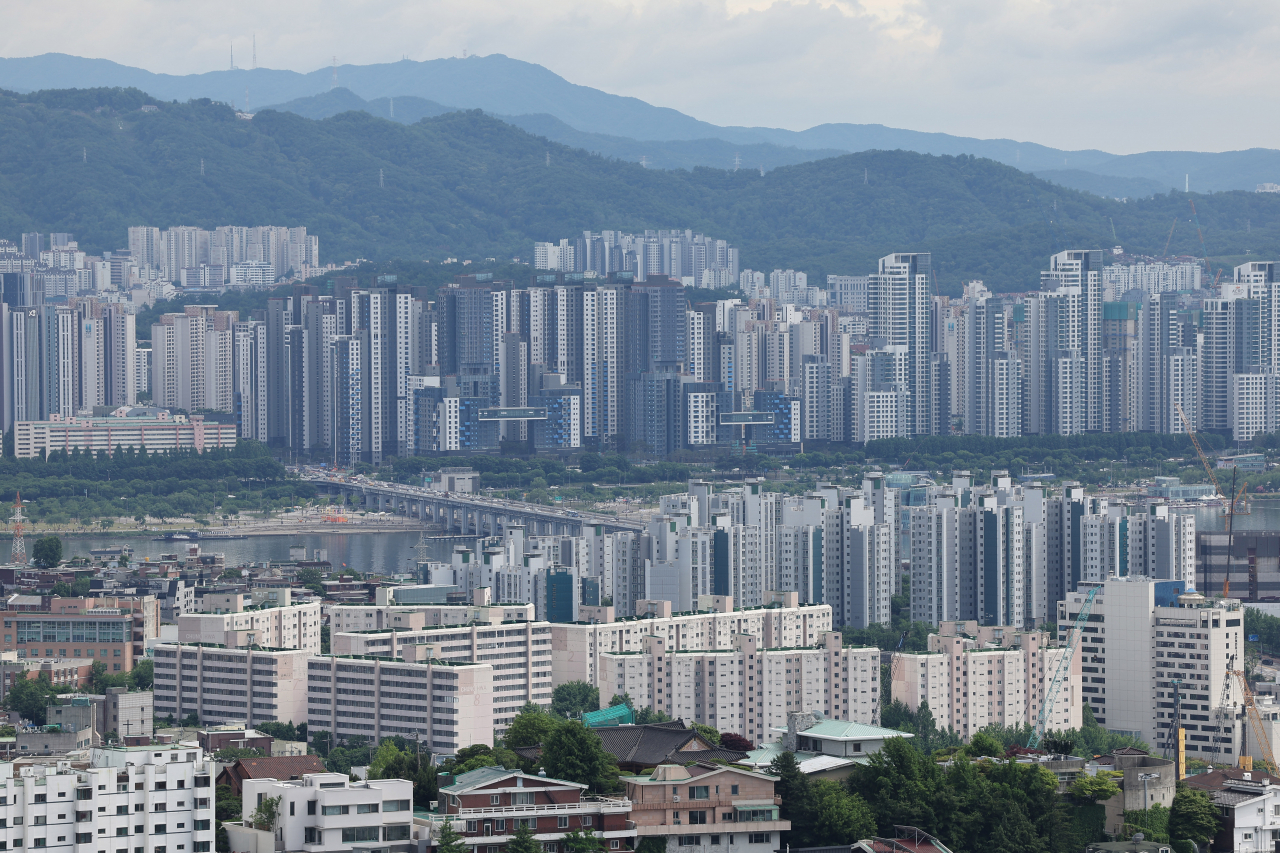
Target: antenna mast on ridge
{"x":334,"y":85}
{"x":18,"y":551}
{"x":254,"y":64}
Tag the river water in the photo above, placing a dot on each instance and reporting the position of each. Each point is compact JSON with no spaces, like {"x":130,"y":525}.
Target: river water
{"x":392,"y":552}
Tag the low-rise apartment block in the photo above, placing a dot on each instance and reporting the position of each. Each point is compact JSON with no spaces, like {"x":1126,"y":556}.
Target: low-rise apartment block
{"x":444,"y":705}
{"x":146,"y":804}
{"x":488,"y":805}
{"x":221,"y":685}
{"x":329,"y":813}
{"x":746,"y":688}
{"x":296,"y":626}
{"x":707,"y":808}
{"x":112,"y":630}
{"x":976,"y":676}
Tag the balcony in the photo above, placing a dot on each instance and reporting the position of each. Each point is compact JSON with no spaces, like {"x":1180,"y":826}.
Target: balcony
{"x":595,"y":805}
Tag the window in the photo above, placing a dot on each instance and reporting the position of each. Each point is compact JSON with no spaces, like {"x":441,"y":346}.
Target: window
{"x":202,"y":781}
{"x":715,"y":841}
{"x":562,"y":822}
{"x":161,"y":807}
{"x":311,"y":835}
{"x":473,"y":826}
{"x":291,"y":808}
{"x":758,"y":838}
{"x":137,"y":807}
{"x":587,"y":819}
{"x":311,"y":806}
{"x":395,"y":805}
{"x":160,"y":829}
{"x":39,"y":820}
{"x":367,"y":808}
{"x":689,"y":840}
{"x":160,"y":786}
{"x":84,"y":838}
{"x":699,"y":792}
{"x":200,"y":824}
{"x":615,"y":844}
{"x":42,"y":798}
{"x":396,"y":833}
{"x":525,"y":799}
{"x":332,"y":810}
{"x":493,"y":799}
{"x":38,"y":842}
{"x":351,"y":834}
{"x":204,"y":804}
{"x":734,"y":790}
{"x":200,"y":847}
{"x":697,"y":817}
{"x":122,"y":830}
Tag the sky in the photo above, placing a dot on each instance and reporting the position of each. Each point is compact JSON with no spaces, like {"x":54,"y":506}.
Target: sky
{"x":1126,"y":76}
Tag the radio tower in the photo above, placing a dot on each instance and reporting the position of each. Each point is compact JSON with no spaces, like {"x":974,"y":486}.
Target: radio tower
{"x":18,"y":553}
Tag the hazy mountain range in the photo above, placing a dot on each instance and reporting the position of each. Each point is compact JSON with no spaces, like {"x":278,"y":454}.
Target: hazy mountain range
{"x":467,"y":185}
{"x":541,"y":102}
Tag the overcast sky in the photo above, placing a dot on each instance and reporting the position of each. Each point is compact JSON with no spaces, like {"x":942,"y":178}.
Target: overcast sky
{"x":1121,"y":75}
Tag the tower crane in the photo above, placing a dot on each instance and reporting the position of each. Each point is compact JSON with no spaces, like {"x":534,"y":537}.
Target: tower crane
{"x":893,"y":670}
{"x":1229,"y":504}
{"x":1255,"y":723}
{"x":1062,"y":670}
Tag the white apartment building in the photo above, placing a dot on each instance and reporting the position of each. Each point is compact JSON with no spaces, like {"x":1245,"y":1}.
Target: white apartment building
{"x":980,"y":676}
{"x":230,"y":685}
{"x":1162,"y":545}
{"x":444,"y":705}
{"x":159,"y":801}
{"x":519,"y":653}
{"x":329,"y":813}
{"x":578,"y":649}
{"x":149,"y":430}
{"x":1255,"y":404}
{"x":1147,"y":639}
{"x":746,"y":687}
{"x":296,"y":626}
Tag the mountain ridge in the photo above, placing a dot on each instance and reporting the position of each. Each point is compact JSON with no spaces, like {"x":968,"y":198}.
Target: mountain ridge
{"x":467,"y":185}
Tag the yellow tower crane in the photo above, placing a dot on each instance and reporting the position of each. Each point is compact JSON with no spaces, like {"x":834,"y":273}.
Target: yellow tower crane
{"x":1255,"y":723}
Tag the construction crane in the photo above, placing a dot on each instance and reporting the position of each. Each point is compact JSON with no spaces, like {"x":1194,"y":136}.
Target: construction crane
{"x":1221,"y":715}
{"x":1170,"y":240}
{"x":1255,"y":723}
{"x":893,"y":670}
{"x":1204,"y":460}
{"x":1062,"y":670}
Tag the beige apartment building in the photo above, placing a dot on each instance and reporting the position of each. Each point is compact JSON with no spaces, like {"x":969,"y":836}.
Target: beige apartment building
{"x":296,"y":626}
{"x":579,"y":647}
{"x":221,"y":684}
{"x":707,"y":808}
{"x":746,"y":688}
{"x":976,"y":676}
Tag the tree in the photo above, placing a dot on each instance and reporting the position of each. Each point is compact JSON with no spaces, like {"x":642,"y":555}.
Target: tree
{"x":62,"y":589}
{"x":523,"y":841}
{"x":573,"y":698}
{"x":578,"y":841}
{"x":648,"y":716}
{"x":709,"y":733}
{"x":386,"y":756}
{"x":836,"y":817}
{"x":47,"y":551}
{"x":450,"y":840}
{"x":731,"y":740}
{"x":266,"y":814}
{"x":311,"y":579}
{"x":793,"y":787}
{"x":575,"y":753}
{"x":30,"y":697}
{"x":621,"y":699}
{"x":282,"y":731}
{"x":227,"y":805}
{"x":983,"y":743}
{"x":1094,"y":789}
{"x":1192,"y":816}
{"x":142,"y":676}
{"x":1059,"y":743}
{"x":81,"y":587}
{"x":530,"y":727}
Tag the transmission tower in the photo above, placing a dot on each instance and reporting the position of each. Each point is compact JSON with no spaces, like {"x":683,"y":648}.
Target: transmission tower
{"x":18,"y":552}
{"x":737,"y":162}
{"x":422,"y":551}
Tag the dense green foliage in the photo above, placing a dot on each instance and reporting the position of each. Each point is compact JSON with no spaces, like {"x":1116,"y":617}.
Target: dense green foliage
{"x":574,"y":698}
{"x":466,"y":185}
{"x":47,"y":552}
{"x":822,"y":812}
{"x":283,"y":731}
{"x":971,"y":806}
{"x":1266,"y":626}
{"x":31,"y":696}
{"x":530,"y":727}
{"x":1153,"y":823}
{"x":1193,"y":816}
{"x":576,"y":753}
{"x":128,"y":483}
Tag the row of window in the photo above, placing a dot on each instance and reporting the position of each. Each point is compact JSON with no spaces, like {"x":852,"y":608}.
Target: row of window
{"x":752,"y":838}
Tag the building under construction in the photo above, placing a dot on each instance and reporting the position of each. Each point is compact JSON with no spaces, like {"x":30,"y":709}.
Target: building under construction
{"x":1252,"y":569}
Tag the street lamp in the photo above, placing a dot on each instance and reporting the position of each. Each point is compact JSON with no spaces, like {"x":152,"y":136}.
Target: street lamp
{"x":1146,"y":777}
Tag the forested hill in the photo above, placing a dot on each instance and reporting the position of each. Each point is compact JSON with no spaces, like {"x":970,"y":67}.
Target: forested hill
{"x":92,"y":162}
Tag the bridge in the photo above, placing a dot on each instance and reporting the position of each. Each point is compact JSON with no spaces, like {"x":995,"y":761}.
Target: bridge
{"x":463,"y":514}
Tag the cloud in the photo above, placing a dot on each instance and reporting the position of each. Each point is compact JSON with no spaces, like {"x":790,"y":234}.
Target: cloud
{"x":1130,"y":76}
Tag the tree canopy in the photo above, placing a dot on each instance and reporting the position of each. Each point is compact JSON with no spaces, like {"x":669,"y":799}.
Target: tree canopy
{"x":576,"y":753}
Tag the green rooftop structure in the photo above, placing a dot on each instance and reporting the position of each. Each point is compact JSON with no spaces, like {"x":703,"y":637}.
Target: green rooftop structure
{"x":616,"y":715}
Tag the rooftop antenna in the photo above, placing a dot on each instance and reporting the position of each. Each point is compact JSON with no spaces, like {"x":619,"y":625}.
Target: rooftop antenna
{"x":762,"y":170}
{"x":381,"y":185}
{"x":334,"y":84}
{"x":737,"y":161}
{"x":254,"y":63}
{"x":644,"y":161}
{"x":202,"y":167}
{"x":864,"y":175}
